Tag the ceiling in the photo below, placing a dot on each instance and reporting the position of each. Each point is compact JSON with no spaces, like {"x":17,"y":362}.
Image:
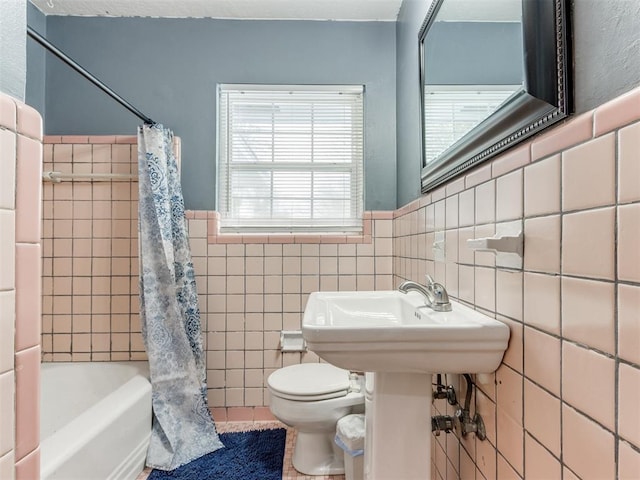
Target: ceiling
{"x":345,"y":10}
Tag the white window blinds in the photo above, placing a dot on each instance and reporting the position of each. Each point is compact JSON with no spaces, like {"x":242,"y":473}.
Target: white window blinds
{"x":451,"y":111}
{"x":290,"y":158}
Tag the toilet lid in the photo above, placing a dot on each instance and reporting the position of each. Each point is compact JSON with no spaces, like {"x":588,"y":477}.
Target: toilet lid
{"x":310,"y":381}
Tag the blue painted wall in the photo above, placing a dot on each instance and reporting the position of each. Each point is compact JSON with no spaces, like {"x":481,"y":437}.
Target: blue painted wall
{"x":36,"y":61}
{"x":169,"y":69}
{"x":409,"y":158}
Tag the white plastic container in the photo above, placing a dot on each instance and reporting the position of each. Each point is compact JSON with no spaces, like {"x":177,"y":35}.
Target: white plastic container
{"x":350,"y":432}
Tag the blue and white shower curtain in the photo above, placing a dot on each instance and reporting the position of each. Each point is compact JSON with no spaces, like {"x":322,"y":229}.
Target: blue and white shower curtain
{"x":183,"y":429}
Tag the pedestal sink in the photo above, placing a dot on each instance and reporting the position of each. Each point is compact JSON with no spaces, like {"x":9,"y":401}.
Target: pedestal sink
{"x":403,"y":342}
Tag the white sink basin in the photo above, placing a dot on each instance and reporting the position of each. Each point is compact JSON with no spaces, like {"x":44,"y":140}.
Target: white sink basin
{"x":389,"y":331}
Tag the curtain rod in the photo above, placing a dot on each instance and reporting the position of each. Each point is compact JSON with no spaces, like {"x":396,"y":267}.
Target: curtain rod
{"x":57,"y":177}
{"x":86,"y":74}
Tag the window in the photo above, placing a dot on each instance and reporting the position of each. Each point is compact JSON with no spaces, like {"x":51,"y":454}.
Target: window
{"x":451,"y":111}
{"x":290,"y":158}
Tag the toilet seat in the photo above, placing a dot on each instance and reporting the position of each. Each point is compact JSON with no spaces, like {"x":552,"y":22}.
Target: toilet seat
{"x":309,"y":382}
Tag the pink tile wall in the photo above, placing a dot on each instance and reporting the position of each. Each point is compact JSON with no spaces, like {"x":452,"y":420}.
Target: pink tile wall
{"x":20,"y":297}
{"x":251,"y":287}
{"x":564,"y":401}
{"x":90,"y":252}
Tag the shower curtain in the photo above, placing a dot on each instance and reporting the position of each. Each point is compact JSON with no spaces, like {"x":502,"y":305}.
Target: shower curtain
{"x":183,"y":429}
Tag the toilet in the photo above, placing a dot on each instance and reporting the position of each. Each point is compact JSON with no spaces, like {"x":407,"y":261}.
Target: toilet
{"x":311,"y":398}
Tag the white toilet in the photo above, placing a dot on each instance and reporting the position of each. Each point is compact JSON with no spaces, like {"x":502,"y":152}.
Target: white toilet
{"x":311,"y":398}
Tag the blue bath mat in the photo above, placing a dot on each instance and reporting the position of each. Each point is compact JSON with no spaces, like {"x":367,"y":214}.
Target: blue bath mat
{"x":253,"y":455}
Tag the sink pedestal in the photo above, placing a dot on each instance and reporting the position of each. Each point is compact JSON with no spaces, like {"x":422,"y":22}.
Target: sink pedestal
{"x":398,"y":428}
{"x":392,"y":334}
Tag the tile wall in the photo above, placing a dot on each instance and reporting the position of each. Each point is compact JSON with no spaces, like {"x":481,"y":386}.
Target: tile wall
{"x":251,"y":287}
{"x":20,"y":296}
{"x":564,"y":403}
{"x":255,"y":287}
{"x":90,"y":252}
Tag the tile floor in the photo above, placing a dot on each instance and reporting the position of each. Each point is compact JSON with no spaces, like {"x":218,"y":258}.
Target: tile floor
{"x":288,"y":472}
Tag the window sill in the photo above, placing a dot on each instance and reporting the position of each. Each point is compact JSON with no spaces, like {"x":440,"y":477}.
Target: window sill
{"x":215,"y":237}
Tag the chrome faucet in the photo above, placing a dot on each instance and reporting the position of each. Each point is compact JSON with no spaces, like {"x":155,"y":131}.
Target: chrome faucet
{"x":435,"y":295}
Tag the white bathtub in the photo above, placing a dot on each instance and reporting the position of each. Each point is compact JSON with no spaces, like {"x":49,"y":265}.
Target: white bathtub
{"x":95,"y":420}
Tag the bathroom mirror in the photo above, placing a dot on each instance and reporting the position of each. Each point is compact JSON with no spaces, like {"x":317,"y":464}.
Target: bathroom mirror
{"x":492,"y":73}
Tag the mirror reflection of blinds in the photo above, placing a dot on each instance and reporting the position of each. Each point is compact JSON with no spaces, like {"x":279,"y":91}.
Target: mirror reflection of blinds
{"x":290,"y":158}
{"x":451,"y":111}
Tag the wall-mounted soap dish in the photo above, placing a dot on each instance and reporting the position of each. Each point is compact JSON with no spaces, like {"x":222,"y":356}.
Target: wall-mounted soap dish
{"x":507,"y":244}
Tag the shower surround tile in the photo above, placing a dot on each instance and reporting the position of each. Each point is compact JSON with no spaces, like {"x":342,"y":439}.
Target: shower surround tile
{"x":7,"y":326}
{"x":7,"y":466}
{"x":20,"y":264}
{"x":28,"y":121}
{"x":92,"y":247}
{"x":7,"y":400}
{"x":250,"y":287}
{"x":28,"y":295}
{"x":8,"y":179}
{"x":28,"y":467}
{"x":27,"y":401}
{"x":7,"y":247}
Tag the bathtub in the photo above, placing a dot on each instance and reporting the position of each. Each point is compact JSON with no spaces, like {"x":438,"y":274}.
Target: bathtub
{"x":95,"y":420}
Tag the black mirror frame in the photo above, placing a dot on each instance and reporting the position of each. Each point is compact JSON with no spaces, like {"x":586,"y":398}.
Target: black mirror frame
{"x":545,"y":99}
